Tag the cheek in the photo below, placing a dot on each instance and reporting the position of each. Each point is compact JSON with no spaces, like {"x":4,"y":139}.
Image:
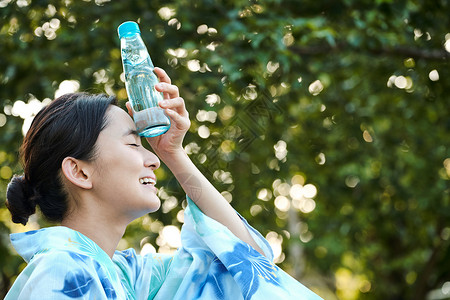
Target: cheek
{"x":120,"y":166}
{"x":116,"y":157}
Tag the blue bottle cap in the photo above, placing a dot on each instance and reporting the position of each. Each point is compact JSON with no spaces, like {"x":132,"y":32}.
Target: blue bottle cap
{"x":127,"y":28}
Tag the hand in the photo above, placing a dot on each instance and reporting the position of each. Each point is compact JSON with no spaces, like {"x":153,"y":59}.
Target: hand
{"x":171,"y":141}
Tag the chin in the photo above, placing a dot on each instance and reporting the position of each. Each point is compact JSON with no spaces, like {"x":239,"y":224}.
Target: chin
{"x":145,"y":211}
{"x":155,"y":208}
{"x":154,"y":205}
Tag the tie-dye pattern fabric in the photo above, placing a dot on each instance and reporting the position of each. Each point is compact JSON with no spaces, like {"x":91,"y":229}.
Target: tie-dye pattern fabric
{"x":211,"y":264}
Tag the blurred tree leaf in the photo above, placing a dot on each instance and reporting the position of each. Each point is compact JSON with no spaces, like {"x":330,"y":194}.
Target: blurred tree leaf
{"x":347,"y":96}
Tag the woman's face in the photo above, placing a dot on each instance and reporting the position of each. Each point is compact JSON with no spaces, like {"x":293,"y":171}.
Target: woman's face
{"x":123,"y":178}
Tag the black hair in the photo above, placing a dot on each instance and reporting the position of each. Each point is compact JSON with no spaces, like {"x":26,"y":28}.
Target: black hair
{"x":68,"y":126}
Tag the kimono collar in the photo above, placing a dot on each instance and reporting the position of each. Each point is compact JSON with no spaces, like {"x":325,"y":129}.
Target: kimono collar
{"x":28,"y":244}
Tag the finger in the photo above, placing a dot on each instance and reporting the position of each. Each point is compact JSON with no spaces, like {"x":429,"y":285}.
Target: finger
{"x":168,"y":89}
{"x":180,"y":122}
{"x":162,"y":75}
{"x":128,"y":105}
{"x":176,"y":104}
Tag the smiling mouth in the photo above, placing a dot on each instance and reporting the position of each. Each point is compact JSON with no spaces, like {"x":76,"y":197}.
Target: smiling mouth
{"x":147,"y":180}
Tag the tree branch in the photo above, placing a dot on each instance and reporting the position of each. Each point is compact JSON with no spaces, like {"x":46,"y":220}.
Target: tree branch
{"x":403,"y":51}
{"x":431,"y":54}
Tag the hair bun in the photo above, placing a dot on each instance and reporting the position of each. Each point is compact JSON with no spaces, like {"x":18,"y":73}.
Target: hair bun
{"x":20,"y":199}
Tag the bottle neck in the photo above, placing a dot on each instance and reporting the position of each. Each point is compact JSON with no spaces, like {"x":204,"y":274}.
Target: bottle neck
{"x":132,"y":37}
{"x":134,"y":51}
{"x":132,"y":41}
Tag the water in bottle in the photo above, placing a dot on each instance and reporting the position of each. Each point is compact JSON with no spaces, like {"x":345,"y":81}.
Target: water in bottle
{"x":140,"y":82}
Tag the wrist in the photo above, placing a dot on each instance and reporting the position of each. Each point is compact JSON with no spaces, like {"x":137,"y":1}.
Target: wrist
{"x":173,"y":156}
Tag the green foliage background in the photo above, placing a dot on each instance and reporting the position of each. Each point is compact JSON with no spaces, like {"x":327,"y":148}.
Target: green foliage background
{"x":348,"y":96}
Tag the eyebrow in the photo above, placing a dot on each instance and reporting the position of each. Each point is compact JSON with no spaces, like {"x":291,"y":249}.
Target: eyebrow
{"x":131,"y":132}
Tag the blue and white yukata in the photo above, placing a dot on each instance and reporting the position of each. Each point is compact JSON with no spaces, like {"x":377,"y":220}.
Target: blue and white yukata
{"x":211,"y":264}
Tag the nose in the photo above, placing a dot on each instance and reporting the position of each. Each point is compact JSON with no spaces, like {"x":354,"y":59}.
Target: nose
{"x":151,"y":160}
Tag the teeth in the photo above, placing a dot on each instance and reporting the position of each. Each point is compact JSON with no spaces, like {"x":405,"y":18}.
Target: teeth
{"x":147,"y":180}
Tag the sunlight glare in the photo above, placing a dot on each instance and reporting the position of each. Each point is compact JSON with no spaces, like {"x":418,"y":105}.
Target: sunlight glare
{"x":67,"y":86}
{"x":434,"y":75}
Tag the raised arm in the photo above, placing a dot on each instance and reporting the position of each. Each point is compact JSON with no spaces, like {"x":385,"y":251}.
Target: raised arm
{"x":206,"y":196}
{"x":170,"y":150}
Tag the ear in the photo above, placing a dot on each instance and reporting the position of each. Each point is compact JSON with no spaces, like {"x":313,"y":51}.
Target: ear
{"x":77,"y":172}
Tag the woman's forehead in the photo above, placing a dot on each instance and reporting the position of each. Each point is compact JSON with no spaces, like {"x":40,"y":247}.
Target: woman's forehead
{"x":118,"y":121}
{"x":118,"y":115}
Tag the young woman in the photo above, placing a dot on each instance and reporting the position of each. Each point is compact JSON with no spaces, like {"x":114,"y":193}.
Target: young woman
{"x":85,"y":167}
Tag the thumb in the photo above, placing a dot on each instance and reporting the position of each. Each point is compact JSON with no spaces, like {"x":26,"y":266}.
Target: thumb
{"x":128,"y":105}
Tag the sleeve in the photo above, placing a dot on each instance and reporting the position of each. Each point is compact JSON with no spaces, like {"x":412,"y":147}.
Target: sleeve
{"x":61,"y":275}
{"x":214,"y":264}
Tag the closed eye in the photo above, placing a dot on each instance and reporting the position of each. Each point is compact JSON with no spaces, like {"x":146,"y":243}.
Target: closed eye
{"x":131,"y":135}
